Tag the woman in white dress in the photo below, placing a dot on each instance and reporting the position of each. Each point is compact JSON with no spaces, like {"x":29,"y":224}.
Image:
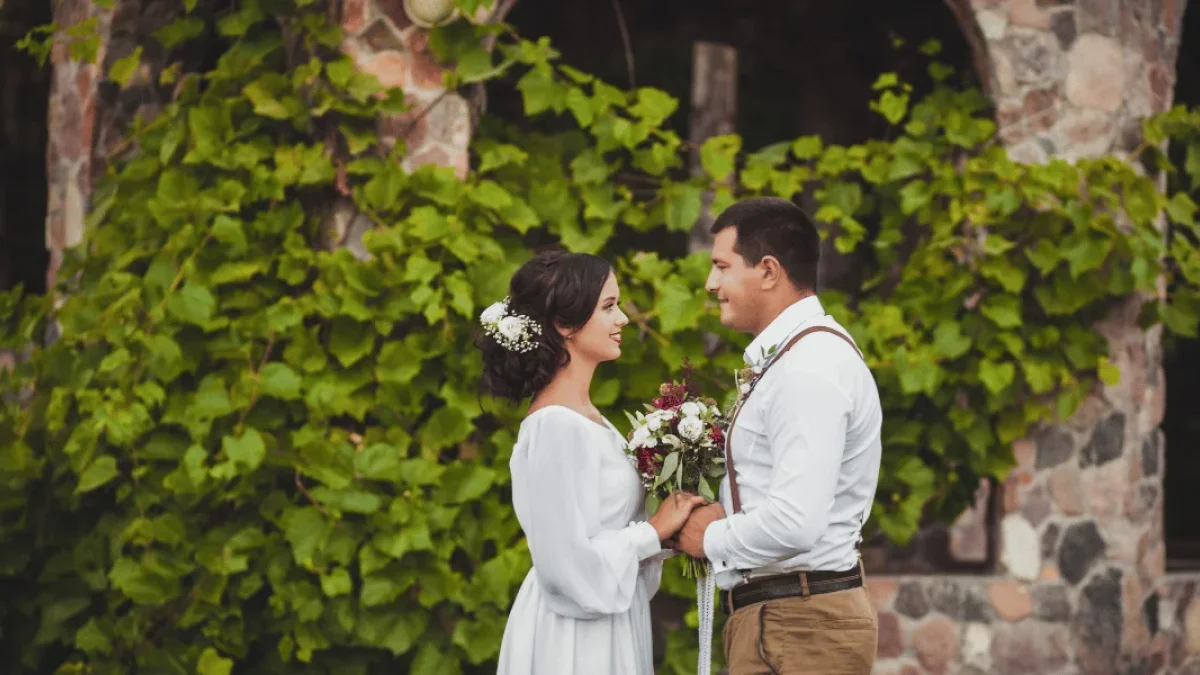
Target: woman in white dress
{"x":584,"y":608}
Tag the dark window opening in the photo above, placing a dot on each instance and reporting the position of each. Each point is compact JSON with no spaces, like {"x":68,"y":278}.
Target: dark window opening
{"x":1176,"y":452}
{"x":24,"y":98}
{"x":803,"y":67}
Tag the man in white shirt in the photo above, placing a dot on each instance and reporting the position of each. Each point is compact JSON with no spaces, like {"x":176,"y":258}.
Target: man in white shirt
{"x":804,"y":454}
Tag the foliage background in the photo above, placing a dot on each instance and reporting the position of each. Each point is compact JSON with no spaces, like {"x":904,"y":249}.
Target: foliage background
{"x":248,"y":452}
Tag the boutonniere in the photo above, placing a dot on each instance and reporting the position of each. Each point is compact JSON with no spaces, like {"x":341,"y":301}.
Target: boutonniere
{"x":747,"y":377}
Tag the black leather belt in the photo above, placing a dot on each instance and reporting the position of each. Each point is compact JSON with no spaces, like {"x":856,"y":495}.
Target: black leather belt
{"x":798,"y":584}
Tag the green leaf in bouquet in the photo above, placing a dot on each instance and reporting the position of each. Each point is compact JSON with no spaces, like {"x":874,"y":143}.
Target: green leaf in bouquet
{"x":706,"y":491}
{"x":669,"y":467}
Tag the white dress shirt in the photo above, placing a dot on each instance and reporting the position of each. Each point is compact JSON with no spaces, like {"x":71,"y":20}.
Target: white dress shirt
{"x":806,"y":448}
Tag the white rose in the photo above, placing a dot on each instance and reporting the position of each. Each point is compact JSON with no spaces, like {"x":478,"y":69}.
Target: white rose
{"x":744,"y":389}
{"x":691,"y":428}
{"x":690,"y":409}
{"x":512,"y":328}
{"x":655,"y":423}
{"x":493,"y":313}
{"x":640,"y":436}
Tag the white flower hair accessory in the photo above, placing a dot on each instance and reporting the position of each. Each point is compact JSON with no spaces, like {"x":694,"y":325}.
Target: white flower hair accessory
{"x":514,"y":332}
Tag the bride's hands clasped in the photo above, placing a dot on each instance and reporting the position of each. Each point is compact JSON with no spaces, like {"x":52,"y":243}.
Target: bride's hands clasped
{"x":673,"y":513}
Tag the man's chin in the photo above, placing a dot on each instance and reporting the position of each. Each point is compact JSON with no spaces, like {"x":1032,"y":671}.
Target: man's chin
{"x":729,"y":319}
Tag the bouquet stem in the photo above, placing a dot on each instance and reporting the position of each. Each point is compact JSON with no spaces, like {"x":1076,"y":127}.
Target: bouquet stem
{"x":693,"y":568}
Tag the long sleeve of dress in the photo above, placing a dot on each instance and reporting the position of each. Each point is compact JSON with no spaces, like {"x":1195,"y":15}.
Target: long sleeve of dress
{"x":584,"y":572}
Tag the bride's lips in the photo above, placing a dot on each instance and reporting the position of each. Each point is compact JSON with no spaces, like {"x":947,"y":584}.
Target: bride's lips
{"x":616,"y":338}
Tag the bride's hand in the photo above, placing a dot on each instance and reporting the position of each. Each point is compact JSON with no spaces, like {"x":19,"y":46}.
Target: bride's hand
{"x":673,"y":513}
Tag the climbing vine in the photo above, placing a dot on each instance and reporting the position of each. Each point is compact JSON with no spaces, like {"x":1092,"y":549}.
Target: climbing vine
{"x":247,"y":446}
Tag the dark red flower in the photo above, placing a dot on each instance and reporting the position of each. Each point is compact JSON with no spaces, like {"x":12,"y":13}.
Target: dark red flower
{"x":718,"y":436}
{"x":671,"y":400}
{"x":647,"y":463}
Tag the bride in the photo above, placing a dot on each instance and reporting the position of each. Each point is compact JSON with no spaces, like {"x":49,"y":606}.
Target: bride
{"x":584,"y":608}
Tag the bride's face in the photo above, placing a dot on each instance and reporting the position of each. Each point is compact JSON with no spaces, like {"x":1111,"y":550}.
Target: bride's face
{"x":600,"y":338}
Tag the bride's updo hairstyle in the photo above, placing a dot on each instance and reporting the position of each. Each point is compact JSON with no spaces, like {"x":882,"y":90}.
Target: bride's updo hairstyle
{"x":553,"y":290}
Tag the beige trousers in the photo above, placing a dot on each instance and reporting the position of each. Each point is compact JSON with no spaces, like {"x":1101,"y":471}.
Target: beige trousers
{"x":826,"y":634}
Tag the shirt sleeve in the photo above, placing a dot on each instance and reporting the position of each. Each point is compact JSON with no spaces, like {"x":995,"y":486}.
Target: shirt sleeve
{"x":806,"y":419}
{"x":584,"y":572}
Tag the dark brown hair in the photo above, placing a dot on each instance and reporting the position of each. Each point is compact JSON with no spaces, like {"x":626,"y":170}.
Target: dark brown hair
{"x":555,"y":289}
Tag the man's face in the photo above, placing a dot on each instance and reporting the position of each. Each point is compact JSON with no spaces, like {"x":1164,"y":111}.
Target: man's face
{"x":738,"y":286}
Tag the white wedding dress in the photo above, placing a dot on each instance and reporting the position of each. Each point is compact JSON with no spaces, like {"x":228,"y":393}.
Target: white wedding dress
{"x":584,"y":608}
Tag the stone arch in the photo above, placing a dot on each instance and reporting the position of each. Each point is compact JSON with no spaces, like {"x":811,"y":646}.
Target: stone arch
{"x":964,"y":14}
{"x":1074,"y":79}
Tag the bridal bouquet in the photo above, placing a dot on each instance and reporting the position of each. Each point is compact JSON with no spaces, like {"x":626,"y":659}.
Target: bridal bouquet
{"x":678,"y":443}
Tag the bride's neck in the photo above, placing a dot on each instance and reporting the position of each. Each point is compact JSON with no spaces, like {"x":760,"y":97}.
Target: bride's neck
{"x":572,"y":385}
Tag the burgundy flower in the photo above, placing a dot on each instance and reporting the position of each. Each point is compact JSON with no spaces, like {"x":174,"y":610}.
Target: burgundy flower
{"x":671,"y":400}
{"x":718,"y":436}
{"x":647,"y":463}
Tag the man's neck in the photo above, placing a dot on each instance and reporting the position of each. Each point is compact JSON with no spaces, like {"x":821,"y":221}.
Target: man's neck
{"x":778,"y":304}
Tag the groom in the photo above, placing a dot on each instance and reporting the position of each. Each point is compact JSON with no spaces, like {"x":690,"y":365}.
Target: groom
{"x":803,"y":456}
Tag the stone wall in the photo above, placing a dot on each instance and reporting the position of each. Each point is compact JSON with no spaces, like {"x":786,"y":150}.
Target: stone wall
{"x":969,"y":625}
{"x":1081,"y":583}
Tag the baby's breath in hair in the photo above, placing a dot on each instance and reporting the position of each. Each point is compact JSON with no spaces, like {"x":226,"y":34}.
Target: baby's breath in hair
{"x":515,"y":332}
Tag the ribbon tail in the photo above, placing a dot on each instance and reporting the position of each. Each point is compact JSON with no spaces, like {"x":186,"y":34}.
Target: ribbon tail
{"x":705,"y":587}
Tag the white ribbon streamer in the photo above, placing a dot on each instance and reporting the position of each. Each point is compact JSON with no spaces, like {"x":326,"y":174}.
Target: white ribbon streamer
{"x":705,"y":589}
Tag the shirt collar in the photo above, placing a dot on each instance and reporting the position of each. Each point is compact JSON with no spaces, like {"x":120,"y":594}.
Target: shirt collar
{"x":782,"y":327}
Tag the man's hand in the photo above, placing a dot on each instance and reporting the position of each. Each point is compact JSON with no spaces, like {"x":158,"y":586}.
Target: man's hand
{"x":691,"y":537}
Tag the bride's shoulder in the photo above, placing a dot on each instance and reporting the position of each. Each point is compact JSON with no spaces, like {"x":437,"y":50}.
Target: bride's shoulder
{"x":558,"y":418}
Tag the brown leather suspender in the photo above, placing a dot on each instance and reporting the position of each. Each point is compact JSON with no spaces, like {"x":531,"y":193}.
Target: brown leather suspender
{"x":729,"y":469}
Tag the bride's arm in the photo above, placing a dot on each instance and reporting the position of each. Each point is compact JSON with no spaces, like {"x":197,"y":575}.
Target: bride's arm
{"x":584,"y":572}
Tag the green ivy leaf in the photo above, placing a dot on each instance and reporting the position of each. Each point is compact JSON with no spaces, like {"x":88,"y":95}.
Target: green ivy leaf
{"x":1003,"y":310}
{"x":719,"y":154}
{"x":248,"y":451}
{"x":807,"y":147}
{"x":212,"y":663}
{"x":337,"y":582}
{"x":350,"y":341}
{"x":123,"y":69}
{"x":192,"y":303}
{"x":683,"y":207}
{"x":280,"y":381}
{"x":1110,"y":373}
{"x":447,"y":426}
{"x":996,"y":376}
{"x":229,"y":232}
{"x":92,"y":640}
{"x":98,"y":474}
{"x":680,"y":305}
{"x":1087,"y":255}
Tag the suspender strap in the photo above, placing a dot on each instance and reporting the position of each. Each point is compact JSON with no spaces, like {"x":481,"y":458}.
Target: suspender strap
{"x":734,"y":494}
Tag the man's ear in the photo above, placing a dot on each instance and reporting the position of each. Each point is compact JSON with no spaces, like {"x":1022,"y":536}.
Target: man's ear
{"x":773,"y":273}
